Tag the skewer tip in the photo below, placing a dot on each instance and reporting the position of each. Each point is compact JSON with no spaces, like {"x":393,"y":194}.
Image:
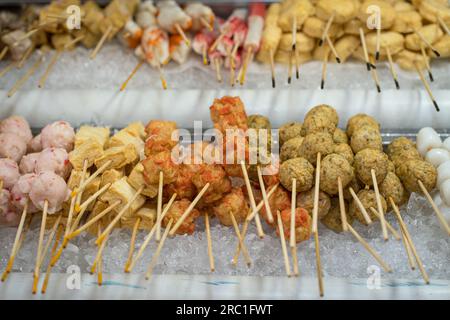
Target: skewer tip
{"x":297,"y":74}
{"x":373,"y":66}
{"x":377,"y":55}
{"x":431,"y":76}
{"x":397,"y":85}
{"x":436,"y":53}
{"x":273,"y":83}
{"x":322,"y":84}
{"x":378,"y":89}
{"x":320,"y":42}
{"x":289,"y":80}
{"x":436,"y":106}
{"x":338,"y":60}
{"x":368,"y":66}
{"x":293,"y":47}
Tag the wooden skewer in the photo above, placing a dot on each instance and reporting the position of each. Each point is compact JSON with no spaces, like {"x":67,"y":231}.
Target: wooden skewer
{"x":379,"y":206}
{"x":67,"y":229}
{"x":248,"y":58}
{"x":73,"y":42}
{"x":261,"y":203}
{"x":360,"y":206}
{"x":290,"y":67}
{"x":369,"y":249}
{"x":411,"y":243}
{"x":272,"y":67}
{"x":333,"y":49}
{"x":98,"y":257}
{"x":4,"y":52}
{"x":162,"y":77}
{"x":209,"y":243}
{"x":318,"y":264}
{"x":443,"y":25}
{"x":232,"y":66}
{"x":324,"y":68}
{"x":294,"y":48}
{"x":189,"y":209}
{"x":391,"y":67}
{"x":100,"y":261}
{"x":14,"y":249}
{"x":93,"y":220}
{"x":316,"y":195}
{"x":132,"y":74}
{"x":427,"y":63}
{"x":427,"y":86}
{"x":205,"y":55}
{"x":388,"y":225}
{"x":264,"y":195}
{"x":159,"y":206}
{"x":150,"y":235}
{"x":252,"y":200}
{"x":283,"y":245}
{"x":374,"y":73}
{"x":205,"y":23}
{"x":327,"y":28}
{"x":80,"y":194}
{"x":132,"y":242}
{"x":25,"y":57}
{"x":409,"y":254}
{"x":50,"y":239}
{"x":438,"y":212}
{"x":158,"y":251}
{"x":297,"y":65}
{"x":182,"y":34}
{"x":378,"y":39}
{"x":427,"y":43}
{"x":292,"y":241}
{"x":364,"y":46}
{"x":342,"y":205}
{"x":49,"y":266}
{"x":39,"y":250}
{"x":294,"y":33}
{"x":25,"y":78}
{"x":118,"y":217}
{"x":91,"y":177}
{"x":216,"y":42}
{"x":218,"y":70}
{"x":8,"y":68}
{"x":242,"y":245}
{"x":101,"y":43}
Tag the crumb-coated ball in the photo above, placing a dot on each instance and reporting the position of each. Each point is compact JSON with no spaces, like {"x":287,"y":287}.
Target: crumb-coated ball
{"x":366,"y":137}
{"x":391,"y":166}
{"x":257,"y":121}
{"x":305,"y":200}
{"x":301,"y":170}
{"x":314,"y":143}
{"x":291,"y":149}
{"x":368,"y":199}
{"x":302,"y":224}
{"x":412,"y":171}
{"x":289,"y":130}
{"x":333,"y":219}
{"x":392,"y":187}
{"x":398,"y":145}
{"x":346,"y":151}
{"x":368,"y":159}
{"x":339,"y":136}
{"x":360,"y":120}
{"x":324,"y":110}
{"x":318,"y":123}
{"x":335,"y":166}
{"x":408,"y":154}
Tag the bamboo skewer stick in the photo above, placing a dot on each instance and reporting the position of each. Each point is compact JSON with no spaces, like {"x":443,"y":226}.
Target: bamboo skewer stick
{"x":436,"y":210}
{"x":391,"y":68}
{"x":364,"y":46}
{"x":409,"y":254}
{"x":132,"y":242}
{"x":25,"y":57}
{"x":39,"y":250}
{"x":327,"y":28}
{"x":292,"y":241}
{"x":182,"y":34}
{"x":159,"y":206}
{"x":272,"y":67}
{"x":264,"y":195}
{"x":294,"y":48}
{"x":49,"y":266}
{"x":189,"y":209}
{"x":378,"y":40}
{"x":411,"y":244}
{"x":388,"y":225}
{"x":205,"y":55}
{"x":100,"y":260}
{"x":252,"y":200}
{"x":379,"y":206}
{"x":295,"y":261}
{"x":4,"y":52}
{"x":290,"y":68}
{"x":427,"y":86}
{"x":248,"y":58}
{"x":101,"y":43}
{"x":132,"y":74}
{"x":333,"y":49}
{"x":158,"y":251}
{"x":318,"y":264}
{"x":205,"y":23}
{"x":25,"y":78}
{"x":261,"y":204}
{"x":360,"y":206}
{"x":162,"y":78}
{"x":7,"y":69}
{"x":283,"y":245}
{"x":374,"y":73}
{"x":80,"y":194}
{"x":49,"y":240}
{"x":342,"y":205}
{"x":92,"y":177}
{"x":427,"y":43}
{"x":369,"y":249}
{"x":98,"y":257}
{"x":427,"y":63}
{"x":218,"y":70}
{"x":209,"y":243}
{"x":316,"y":195}
{"x":443,"y":25}
{"x":242,"y":245}
{"x":324,"y":68}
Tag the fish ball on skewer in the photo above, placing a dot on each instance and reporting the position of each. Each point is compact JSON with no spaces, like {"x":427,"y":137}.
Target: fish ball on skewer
{"x":368,"y":159}
{"x":28,"y":163}
{"x":59,"y":134}
{"x":17,"y":125}
{"x":366,"y":137}
{"x":443,"y":173}
{"x":9,"y":173}
{"x":360,"y":120}
{"x":301,"y":170}
{"x":12,"y":146}
{"x":291,"y":149}
{"x":345,"y":151}
{"x":51,"y":188}
{"x":21,"y":191}
{"x":314,"y":143}
{"x":445,"y":192}
{"x":302,"y":224}
{"x":343,"y":10}
{"x":55,"y":160}
{"x":290,"y":130}
{"x":392,"y":187}
{"x":410,"y":172}
{"x":335,"y":166}
{"x":176,"y":211}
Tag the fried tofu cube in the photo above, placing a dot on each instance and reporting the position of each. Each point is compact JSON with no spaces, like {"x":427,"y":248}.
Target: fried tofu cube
{"x":87,"y":133}
{"x":137,"y":129}
{"x":111,"y":176}
{"x":136,"y":180}
{"x":90,"y":150}
{"x":120,"y":157}
{"x":75,"y":179}
{"x":148,"y":218}
{"x":121,"y":190}
{"x":123,"y":137}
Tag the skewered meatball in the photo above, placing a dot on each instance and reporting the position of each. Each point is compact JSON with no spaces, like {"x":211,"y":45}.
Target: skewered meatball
{"x":346,"y":151}
{"x":28,"y":163}
{"x":161,"y":136}
{"x":291,"y":149}
{"x":300,"y":169}
{"x":339,"y":136}
{"x":48,"y":186}
{"x":155,"y":163}
{"x":391,"y":166}
{"x":219,"y":183}
{"x":228,"y":113}
{"x":234,"y":203}
{"x":183,"y":186}
{"x":413,"y":170}
{"x":305,"y":200}
{"x":176,"y":211}
{"x":368,"y":199}
{"x":9,"y":173}
{"x":366,"y":137}
{"x":408,"y":154}
{"x":398,"y":145}
{"x":392,"y":187}
{"x":280,"y":200}
{"x":257,"y":121}
{"x":59,"y":134}
{"x":289,"y":131}
{"x":302,"y":224}
{"x":325,"y":111}
{"x":18,"y":126}
{"x":359,"y":120}
{"x":318,"y":123}
{"x":368,"y":159}
{"x":55,"y":160}
{"x":314,"y":143}
{"x":20,"y":193}
{"x":333,"y":219}
{"x":35,"y":144}
{"x":12,"y":146}
{"x":333,"y":167}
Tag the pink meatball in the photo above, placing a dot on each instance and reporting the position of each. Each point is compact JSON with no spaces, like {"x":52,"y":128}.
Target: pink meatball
{"x":55,"y":160}
{"x":20,"y":193}
{"x":18,"y":126}
{"x":12,"y":146}
{"x":48,"y":186}
{"x":58,"y":134}
{"x":8,"y":216}
{"x":9,"y":173}
{"x":35,"y":145}
{"x":28,"y":163}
